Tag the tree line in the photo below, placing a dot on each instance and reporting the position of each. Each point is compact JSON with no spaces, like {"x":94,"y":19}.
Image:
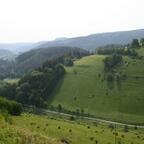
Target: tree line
{"x":110,"y":62}
{"x":128,"y":49}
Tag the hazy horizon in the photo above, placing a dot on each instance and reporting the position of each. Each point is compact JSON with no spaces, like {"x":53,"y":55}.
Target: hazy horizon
{"x":31,"y":42}
{"x":43,"y":20}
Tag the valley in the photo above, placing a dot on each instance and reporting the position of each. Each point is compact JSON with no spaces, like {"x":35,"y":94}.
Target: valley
{"x":73,"y":96}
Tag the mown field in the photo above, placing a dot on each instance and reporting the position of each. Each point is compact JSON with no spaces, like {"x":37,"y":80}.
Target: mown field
{"x":34,"y":129}
{"x":85,"y":88}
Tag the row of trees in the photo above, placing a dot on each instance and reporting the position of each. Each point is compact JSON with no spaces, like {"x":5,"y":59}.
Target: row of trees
{"x":112,"y":61}
{"x":122,"y":49}
{"x":137,"y":43}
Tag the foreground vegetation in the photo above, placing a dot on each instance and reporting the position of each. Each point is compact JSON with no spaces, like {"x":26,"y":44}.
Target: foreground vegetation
{"x":10,"y":107}
{"x":34,"y":129}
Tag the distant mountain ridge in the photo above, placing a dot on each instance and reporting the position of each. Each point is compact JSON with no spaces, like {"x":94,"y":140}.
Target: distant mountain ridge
{"x":91,"y":42}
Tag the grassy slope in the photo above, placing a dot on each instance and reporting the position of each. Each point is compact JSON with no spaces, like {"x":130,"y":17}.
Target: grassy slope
{"x":85,"y":90}
{"x":11,"y":133}
{"x":45,"y":130}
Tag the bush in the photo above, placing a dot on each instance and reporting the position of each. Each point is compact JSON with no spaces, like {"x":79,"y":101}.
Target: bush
{"x":110,"y":77}
{"x":72,"y":118}
{"x":70,"y":130}
{"x":59,"y":107}
{"x":75,"y":71}
{"x":11,"y":107}
{"x":7,"y":117}
{"x":126,"y":128}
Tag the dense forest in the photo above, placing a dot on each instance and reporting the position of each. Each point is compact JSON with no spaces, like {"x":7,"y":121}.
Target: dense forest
{"x":35,"y":87}
{"x":35,"y":58}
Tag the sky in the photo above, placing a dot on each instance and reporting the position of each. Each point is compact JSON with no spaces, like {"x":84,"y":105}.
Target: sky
{"x":40,"y":20}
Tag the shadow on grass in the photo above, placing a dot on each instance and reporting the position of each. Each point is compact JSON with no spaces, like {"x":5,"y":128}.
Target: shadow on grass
{"x":56,"y":90}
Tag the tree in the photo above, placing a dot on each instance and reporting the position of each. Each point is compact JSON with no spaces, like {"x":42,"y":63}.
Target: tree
{"x":111,"y":62}
{"x":110,"y":77}
{"x":142,"y":42}
{"x":75,"y":71}
{"x":59,"y":107}
{"x":68,"y":61}
{"x":126,"y":128}
{"x":135,"y":43}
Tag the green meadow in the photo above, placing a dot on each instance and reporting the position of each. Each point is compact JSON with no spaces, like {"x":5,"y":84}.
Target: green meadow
{"x":85,"y":88}
{"x":35,"y":129}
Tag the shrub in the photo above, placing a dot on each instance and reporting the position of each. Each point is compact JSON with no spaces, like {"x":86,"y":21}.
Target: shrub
{"x":111,"y":126}
{"x":11,"y":107}
{"x":110,"y":77}
{"x":135,"y":127}
{"x":88,"y":127}
{"x":59,"y":107}
{"x":75,"y":71}
{"x":96,"y":141}
{"x":70,"y":130}
{"x":91,"y":138}
{"x":99,"y":75}
{"x":72,"y":118}
{"x":126,"y":128}
{"x":124,"y":76}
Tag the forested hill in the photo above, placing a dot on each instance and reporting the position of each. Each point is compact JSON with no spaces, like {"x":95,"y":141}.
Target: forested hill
{"x":37,"y":57}
{"x":93,"y":41}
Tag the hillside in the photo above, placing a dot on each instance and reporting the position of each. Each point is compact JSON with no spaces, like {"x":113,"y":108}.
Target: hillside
{"x":93,"y":41}
{"x":35,"y":58}
{"x":84,"y":88}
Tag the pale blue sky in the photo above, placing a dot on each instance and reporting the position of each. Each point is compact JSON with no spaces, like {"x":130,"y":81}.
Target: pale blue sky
{"x":37,"y":20}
